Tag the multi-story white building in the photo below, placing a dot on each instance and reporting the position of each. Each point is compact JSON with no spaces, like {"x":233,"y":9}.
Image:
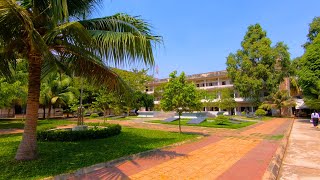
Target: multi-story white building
{"x":209,"y":81}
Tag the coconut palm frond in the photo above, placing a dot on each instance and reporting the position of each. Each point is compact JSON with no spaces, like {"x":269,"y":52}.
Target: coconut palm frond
{"x":97,"y":73}
{"x":73,"y":32}
{"x":121,"y":38}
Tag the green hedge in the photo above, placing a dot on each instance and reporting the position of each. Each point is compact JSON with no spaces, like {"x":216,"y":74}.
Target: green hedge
{"x":94,"y":133}
{"x":221,"y":120}
{"x":94,"y":115}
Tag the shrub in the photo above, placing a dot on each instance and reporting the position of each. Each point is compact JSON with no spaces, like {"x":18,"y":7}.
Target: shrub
{"x":65,"y":135}
{"x":221,"y":120}
{"x":243,"y":113}
{"x":260,"y":112}
{"x":94,"y":115}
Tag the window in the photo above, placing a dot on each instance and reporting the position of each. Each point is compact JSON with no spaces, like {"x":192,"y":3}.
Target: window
{"x":224,"y":83}
{"x":198,"y":85}
{"x":147,"y":89}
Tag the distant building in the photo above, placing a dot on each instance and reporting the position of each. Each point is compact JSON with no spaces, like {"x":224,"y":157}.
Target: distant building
{"x":214,"y":80}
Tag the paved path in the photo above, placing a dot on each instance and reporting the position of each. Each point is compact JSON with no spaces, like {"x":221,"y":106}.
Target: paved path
{"x":302,"y":159}
{"x":241,"y":154}
{"x":10,"y":131}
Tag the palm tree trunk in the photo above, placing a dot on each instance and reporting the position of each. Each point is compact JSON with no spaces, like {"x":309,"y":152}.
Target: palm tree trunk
{"x":44,"y":111}
{"x":49,"y":111}
{"x":28,"y":146}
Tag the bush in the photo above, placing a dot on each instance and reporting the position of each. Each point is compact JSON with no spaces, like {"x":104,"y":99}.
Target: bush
{"x":65,"y":135}
{"x":243,"y":113}
{"x":94,"y":115}
{"x":260,"y":112}
{"x":221,"y":120}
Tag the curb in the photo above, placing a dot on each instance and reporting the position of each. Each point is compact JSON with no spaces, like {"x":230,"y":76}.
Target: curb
{"x":273,"y":169}
{"x":89,"y":169}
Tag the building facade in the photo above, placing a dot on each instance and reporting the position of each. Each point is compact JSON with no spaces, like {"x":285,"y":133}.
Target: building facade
{"x":210,"y":81}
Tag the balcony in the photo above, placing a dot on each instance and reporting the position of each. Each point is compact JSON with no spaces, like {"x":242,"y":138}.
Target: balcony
{"x":213,"y":87}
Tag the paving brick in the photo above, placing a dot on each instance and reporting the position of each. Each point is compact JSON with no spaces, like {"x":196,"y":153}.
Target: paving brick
{"x":221,"y":155}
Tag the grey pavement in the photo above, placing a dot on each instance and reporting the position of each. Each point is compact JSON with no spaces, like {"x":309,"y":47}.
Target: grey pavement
{"x":302,"y":158}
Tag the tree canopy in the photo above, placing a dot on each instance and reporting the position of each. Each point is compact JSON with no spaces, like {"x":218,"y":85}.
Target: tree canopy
{"x":47,"y":35}
{"x":309,"y":74}
{"x":258,"y":67}
{"x":314,"y":29}
{"x":180,"y":95}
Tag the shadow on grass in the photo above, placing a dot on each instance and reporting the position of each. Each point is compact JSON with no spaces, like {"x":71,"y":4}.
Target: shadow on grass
{"x":61,"y":157}
{"x":11,"y":124}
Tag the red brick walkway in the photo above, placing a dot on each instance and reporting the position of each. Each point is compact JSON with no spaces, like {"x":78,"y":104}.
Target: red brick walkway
{"x":237,"y":154}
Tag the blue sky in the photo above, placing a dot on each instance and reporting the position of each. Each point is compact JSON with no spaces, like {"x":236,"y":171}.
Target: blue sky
{"x":199,"y":35}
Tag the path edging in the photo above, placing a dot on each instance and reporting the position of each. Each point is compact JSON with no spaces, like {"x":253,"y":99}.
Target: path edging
{"x":273,"y":169}
{"x":89,"y":169}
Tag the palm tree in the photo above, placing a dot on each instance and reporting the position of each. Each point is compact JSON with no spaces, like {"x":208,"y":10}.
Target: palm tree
{"x":56,"y":89}
{"x":279,"y":100}
{"x":43,"y":32}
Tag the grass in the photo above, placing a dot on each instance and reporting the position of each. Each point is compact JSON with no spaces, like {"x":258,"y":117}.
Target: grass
{"x":111,"y":118}
{"x":212,"y":124}
{"x":42,"y":124}
{"x":62,"y":157}
{"x":276,"y":137}
{"x":264,"y":118}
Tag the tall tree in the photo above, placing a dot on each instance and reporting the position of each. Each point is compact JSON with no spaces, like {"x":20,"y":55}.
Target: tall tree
{"x":258,"y":67}
{"x":180,"y":95}
{"x":44,"y":32}
{"x":309,"y":74}
{"x":314,"y":29}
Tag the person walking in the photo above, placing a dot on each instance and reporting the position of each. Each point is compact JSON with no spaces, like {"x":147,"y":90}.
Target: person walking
{"x":315,"y":118}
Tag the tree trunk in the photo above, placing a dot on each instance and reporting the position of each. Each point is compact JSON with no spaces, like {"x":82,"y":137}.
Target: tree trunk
{"x":180,"y":123}
{"x":27,"y":149}
{"x":49,"y":111}
{"x":280,"y":112}
{"x":44,"y":112}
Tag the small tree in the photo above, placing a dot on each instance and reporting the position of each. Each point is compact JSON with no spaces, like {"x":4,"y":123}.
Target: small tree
{"x":260,"y":112}
{"x":226,"y":100}
{"x":281,"y":99}
{"x":180,"y":96}
{"x":210,"y":98}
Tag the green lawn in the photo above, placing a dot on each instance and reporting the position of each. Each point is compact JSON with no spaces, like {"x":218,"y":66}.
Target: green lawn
{"x":42,"y":124}
{"x":110,"y":118}
{"x":264,"y":118}
{"x":61,"y":157}
{"x":207,"y":124}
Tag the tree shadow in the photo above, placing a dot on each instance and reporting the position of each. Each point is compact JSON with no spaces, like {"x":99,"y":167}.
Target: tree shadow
{"x":61,"y":157}
{"x":106,"y":173}
{"x":155,"y":155}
